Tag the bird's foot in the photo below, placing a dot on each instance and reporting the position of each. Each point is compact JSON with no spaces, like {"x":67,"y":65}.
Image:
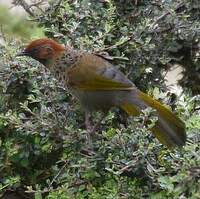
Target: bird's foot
{"x":96,"y":127}
{"x":91,"y":129}
{"x":88,"y":123}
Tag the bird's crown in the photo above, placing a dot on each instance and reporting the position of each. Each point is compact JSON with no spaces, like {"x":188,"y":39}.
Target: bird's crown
{"x":44,"y":42}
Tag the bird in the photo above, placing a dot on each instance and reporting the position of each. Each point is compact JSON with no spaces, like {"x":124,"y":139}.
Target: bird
{"x":99,"y":86}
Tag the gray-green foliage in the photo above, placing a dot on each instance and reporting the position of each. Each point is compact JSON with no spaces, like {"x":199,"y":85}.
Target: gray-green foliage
{"x":44,"y":148}
{"x":141,"y":35}
{"x":43,"y":144}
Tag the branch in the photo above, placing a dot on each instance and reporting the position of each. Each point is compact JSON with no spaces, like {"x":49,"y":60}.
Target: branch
{"x":37,"y":3}
{"x":28,"y":7}
{"x":25,"y":6}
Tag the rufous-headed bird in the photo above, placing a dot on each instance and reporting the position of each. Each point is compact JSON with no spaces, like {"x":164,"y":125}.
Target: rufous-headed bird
{"x":98,"y":85}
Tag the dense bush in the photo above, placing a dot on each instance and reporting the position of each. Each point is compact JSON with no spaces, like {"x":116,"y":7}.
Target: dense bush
{"x":44,"y":151}
{"x":145,"y":38}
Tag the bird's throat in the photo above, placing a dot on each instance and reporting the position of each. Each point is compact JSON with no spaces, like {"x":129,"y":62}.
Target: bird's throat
{"x":46,"y":62}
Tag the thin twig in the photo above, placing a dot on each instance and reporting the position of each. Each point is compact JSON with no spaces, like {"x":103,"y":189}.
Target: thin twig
{"x":56,"y":189}
{"x":25,"y":6}
{"x":114,"y":46}
{"x":181,"y":4}
{"x":36,"y":4}
{"x":56,"y":176}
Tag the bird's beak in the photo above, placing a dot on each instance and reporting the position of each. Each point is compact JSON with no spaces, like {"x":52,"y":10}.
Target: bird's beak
{"x":23,"y":53}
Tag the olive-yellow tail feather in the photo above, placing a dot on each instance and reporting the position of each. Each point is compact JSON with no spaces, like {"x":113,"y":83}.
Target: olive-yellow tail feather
{"x":169,"y":129}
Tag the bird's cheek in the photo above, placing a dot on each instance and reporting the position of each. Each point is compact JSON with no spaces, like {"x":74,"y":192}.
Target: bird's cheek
{"x":44,"y":54}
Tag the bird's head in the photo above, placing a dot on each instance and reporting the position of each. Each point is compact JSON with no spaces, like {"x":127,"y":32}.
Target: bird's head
{"x":43,"y":50}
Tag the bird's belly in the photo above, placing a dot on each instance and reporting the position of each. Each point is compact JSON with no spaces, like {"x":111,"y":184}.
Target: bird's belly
{"x":99,"y":100}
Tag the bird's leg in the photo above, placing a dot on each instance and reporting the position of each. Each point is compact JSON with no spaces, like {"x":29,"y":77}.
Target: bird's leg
{"x":90,"y":127}
{"x":88,"y":123}
{"x":96,"y":126}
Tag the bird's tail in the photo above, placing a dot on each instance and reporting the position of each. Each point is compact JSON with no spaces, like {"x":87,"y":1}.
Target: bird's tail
{"x":169,"y":129}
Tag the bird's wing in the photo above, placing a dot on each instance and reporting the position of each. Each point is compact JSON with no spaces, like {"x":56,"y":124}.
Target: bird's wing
{"x":94,"y":73}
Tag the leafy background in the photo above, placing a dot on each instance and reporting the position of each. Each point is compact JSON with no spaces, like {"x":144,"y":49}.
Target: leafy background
{"x":44,"y":152}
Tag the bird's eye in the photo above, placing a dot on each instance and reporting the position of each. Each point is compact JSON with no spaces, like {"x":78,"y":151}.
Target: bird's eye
{"x":33,"y":51}
{"x":49,"y":50}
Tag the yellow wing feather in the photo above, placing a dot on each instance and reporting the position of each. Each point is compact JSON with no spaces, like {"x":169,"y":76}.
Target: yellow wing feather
{"x":92,"y":73}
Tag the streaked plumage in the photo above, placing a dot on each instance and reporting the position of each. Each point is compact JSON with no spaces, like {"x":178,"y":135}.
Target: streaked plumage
{"x":99,"y":86}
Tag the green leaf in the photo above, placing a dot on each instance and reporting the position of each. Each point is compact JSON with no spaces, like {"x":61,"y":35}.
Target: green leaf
{"x":38,"y":195}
